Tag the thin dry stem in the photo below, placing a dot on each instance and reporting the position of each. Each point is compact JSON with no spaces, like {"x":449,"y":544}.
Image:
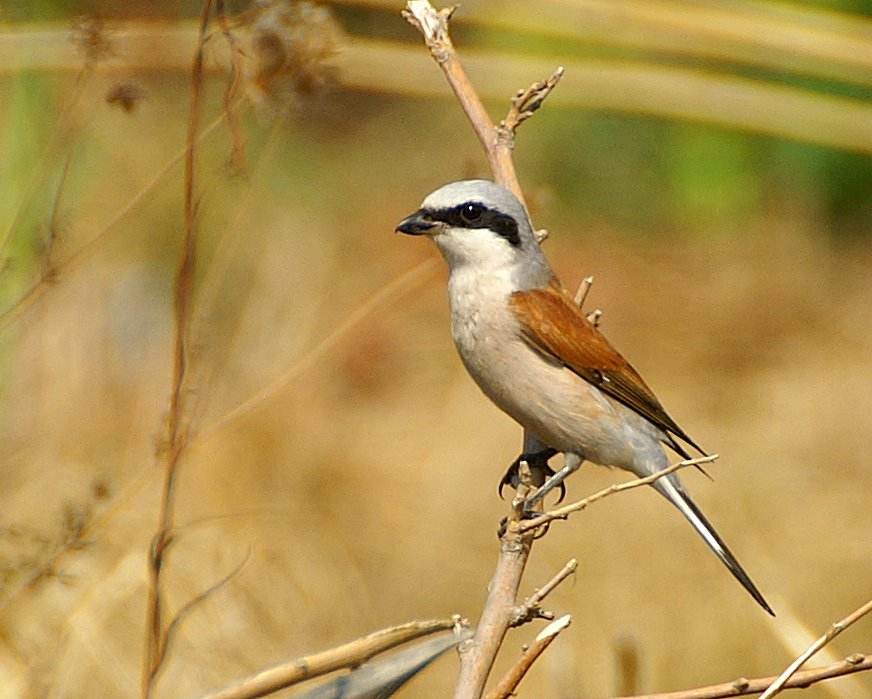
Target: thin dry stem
{"x":509,"y":683}
{"x":433,"y":26}
{"x":741,"y":687}
{"x":61,"y":132}
{"x":531,"y":607}
{"x":49,"y":253}
{"x":194,"y":602}
{"x":831,"y":633}
{"x":391,"y":291}
{"x":41,"y":285}
{"x":155,"y":626}
{"x":233,"y":90}
{"x":347,"y":655}
{"x":525,"y":103}
{"x":122,"y":502}
{"x":566,"y":510}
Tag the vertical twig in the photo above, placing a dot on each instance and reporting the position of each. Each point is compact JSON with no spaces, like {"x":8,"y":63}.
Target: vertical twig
{"x":231,"y":93}
{"x":156,"y":636}
{"x":478,"y":654}
{"x":433,"y":26}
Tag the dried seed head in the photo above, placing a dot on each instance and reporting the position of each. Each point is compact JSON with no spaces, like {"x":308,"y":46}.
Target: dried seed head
{"x":292,"y":45}
{"x":125,"y":95}
{"x":93,"y":39}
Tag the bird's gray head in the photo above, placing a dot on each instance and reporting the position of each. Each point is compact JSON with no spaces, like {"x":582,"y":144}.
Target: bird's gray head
{"x":480,"y":225}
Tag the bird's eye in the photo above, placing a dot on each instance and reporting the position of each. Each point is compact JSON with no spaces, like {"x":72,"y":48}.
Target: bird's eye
{"x":471,"y":213}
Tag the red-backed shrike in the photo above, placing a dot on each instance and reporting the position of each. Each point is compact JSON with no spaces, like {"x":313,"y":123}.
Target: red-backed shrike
{"x":535,"y":354}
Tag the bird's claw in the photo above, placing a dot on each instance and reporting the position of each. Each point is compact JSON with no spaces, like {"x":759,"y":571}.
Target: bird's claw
{"x":539,"y":468}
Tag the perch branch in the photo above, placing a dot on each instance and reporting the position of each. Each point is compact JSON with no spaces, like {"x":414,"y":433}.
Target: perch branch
{"x":478,"y":654}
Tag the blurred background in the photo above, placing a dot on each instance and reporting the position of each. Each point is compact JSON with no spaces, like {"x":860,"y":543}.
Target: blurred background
{"x":707,"y":162}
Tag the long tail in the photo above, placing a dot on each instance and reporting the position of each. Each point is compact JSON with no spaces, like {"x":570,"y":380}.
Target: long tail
{"x":676,"y":495}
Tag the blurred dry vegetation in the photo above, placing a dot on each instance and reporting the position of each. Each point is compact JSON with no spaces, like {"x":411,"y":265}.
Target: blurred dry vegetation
{"x":708,"y":162}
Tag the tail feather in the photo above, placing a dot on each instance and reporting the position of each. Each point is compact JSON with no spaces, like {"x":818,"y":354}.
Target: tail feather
{"x":694,"y":515}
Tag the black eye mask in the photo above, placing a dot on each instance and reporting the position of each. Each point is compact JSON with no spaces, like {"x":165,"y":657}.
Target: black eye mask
{"x":474,"y":215}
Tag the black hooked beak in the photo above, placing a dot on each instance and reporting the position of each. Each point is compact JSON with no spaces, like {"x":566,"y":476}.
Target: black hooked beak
{"x":419,"y":223}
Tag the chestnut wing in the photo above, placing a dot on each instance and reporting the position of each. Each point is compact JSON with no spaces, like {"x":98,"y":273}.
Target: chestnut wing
{"x":552,"y":324}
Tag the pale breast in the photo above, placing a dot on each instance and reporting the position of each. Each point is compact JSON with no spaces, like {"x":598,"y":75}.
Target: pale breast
{"x":551,"y":401}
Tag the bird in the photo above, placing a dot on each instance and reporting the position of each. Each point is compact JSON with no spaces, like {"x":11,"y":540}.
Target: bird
{"x":534,"y":353}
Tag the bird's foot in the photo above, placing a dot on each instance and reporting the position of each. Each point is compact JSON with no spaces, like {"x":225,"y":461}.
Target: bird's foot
{"x":540,"y":471}
{"x":555,"y":480}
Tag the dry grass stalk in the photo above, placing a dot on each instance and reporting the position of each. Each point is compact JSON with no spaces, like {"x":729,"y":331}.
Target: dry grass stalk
{"x":389,"y":293}
{"x":156,"y":628}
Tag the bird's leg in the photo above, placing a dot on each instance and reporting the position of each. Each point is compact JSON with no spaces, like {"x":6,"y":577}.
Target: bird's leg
{"x":571,"y":464}
{"x":531,"y":470}
{"x":539,"y":468}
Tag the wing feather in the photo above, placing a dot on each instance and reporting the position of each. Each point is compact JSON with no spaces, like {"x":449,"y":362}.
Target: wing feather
{"x":554,"y":325}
